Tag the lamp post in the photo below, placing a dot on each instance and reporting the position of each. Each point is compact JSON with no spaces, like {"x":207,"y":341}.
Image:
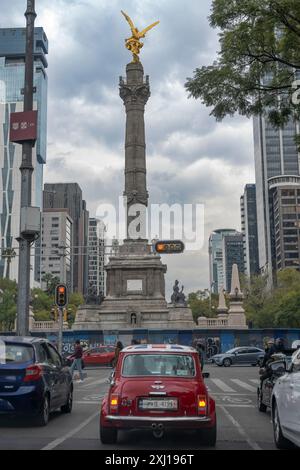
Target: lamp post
{"x":26,"y":169}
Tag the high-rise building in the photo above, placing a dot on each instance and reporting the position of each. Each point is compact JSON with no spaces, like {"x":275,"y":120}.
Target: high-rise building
{"x":69,"y":196}
{"x":233,"y":253}
{"x":97,"y":256}
{"x":216,"y":260}
{"x":12,"y":76}
{"x":285,"y":221}
{"x":249,"y":230}
{"x":56,"y":238}
{"x":276,"y":155}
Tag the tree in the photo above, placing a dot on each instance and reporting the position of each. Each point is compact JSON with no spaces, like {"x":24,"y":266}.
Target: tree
{"x":257,"y":63}
{"x":199,"y":303}
{"x":51,"y":282}
{"x":8,"y":304}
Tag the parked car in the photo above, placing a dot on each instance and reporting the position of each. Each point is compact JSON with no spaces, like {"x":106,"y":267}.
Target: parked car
{"x":245,"y":355}
{"x":99,"y":356}
{"x":160,"y":388}
{"x":286,"y":406}
{"x":34,"y":381}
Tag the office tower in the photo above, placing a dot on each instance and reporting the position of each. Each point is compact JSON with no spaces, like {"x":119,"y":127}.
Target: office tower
{"x":216,"y":261}
{"x":233,"y":253}
{"x":69,"y":196}
{"x":249,"y":230}
{"x":276,"y":155}
{"x":56,"y":237}
{"x":96,"y":256}
{"x":12,"y":75}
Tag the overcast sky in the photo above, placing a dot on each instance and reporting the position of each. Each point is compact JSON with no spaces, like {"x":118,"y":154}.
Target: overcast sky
{"x":190,"y":157}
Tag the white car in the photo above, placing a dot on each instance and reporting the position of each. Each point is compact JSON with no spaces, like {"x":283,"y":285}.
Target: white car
{"x":286,"y":406}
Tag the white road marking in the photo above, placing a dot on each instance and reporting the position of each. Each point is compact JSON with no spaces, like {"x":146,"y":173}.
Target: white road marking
{"x":241,"y":430}
{"x":235,"y":406}
{"x":255,"y":381}
{"x":59,"y":441}
{"x":223,"y":386}
{"x":96,"y":382}
{"x":242,"y":384}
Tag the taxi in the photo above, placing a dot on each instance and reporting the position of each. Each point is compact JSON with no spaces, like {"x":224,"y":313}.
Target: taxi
{"x":160,"y":388}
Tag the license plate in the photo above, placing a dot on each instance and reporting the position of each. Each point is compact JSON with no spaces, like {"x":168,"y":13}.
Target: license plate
{"x":158,"y":404}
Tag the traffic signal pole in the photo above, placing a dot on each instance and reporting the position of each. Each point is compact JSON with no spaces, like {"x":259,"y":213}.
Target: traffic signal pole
{"x":26,"y":169}
{"x":61,"y":328}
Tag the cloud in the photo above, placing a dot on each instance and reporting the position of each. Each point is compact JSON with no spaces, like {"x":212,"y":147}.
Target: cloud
{"x":190,"y":157}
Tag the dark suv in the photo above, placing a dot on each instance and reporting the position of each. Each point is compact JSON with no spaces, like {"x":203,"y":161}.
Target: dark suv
{"x":34,"y":380}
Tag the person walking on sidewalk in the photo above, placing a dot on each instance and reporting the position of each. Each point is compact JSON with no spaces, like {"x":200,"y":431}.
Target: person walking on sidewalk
{"x":77,"y":363}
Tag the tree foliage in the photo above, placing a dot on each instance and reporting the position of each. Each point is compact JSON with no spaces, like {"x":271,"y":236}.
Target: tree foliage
{"x":258,"y":61}
{"x":8,"y":304}
{"x":199,"y":303}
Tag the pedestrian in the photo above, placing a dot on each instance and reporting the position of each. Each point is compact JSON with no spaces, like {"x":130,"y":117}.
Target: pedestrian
{"x":118,"y":349}
{"x":201,"y":351}
{"x":77,"y":362}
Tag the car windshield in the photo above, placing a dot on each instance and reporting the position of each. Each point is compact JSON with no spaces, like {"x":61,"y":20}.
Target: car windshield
{"x":15,"y":353}
{"x":169,"y":365}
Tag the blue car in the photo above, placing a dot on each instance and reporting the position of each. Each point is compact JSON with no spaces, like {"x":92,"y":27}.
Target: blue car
{"x":34,"y":380}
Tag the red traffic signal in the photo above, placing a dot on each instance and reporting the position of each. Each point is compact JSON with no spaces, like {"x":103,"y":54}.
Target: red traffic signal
{"x":169,"y":247}
{"x":61,"y":295}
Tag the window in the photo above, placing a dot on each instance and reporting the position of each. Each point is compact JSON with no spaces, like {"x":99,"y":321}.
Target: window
{"x":168,"y":365}
{"x":54,"y":356}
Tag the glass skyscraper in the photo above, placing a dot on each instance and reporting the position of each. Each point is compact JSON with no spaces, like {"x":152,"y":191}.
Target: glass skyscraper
{"x":217,"y":273}
{"x":12,"y":73}
{"x":276,"y":155}
{"x":249,"y":229}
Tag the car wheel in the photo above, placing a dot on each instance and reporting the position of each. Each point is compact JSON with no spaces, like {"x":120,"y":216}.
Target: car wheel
{"x":227,"y":362}
{"x":260,"y":405}
{"x":208,"y":436}
{"x":43,"y":415}
{"x":67,"y":408}
{"x":280,"y":441}
{"x":108,"y":435}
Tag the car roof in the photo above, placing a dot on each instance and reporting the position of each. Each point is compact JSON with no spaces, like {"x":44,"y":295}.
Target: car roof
{"x":21,"y":339}
{"x":150,"y":348}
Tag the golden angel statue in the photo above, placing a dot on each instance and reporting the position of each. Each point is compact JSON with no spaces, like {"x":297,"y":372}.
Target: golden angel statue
{"x":133,"y":44}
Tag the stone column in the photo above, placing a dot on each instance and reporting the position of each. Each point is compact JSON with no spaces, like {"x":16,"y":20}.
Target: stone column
{"x":135,"y":92}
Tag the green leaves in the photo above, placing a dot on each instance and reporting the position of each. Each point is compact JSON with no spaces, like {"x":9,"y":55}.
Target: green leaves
{"x":259,"y":54}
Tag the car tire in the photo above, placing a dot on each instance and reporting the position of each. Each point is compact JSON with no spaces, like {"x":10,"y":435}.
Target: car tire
{"x":260,"y":405}
{"x":280,"y":441}
{"x":208,"y":437}
{"x":67,"y":408}
{"x":42,"y":418}
{"x":227,"y":362}
{"x":108,"y":435}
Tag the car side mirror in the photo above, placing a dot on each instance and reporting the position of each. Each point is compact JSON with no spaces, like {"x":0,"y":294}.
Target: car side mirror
{"x":278,"y":368}
{"x":206,"y":375}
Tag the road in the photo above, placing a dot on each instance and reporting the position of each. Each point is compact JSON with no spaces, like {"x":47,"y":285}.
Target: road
{"x":240,"y":425}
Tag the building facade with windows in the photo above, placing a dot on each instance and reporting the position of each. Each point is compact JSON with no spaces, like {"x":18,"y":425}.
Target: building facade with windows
{"x":97,"y":256}
{"x":276,"y":155}
{"x":216,"y":258}
{"x":233,"y":253}
{"x":69,"y":196}
{"x":56,"y":238}
{"x":12,"y":75}
{"x":249,"y":230}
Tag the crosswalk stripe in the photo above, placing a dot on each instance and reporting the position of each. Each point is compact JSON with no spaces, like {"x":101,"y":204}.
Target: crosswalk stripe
{"x":222,"y":385}
{"x":255,"y":381}
{"x":244,"y":385}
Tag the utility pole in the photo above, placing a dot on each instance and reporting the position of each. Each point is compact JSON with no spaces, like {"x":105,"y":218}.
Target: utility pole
{"x":26,"y":239}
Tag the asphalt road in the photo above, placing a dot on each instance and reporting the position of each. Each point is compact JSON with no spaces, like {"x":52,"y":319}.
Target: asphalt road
{"x":240,"y":425}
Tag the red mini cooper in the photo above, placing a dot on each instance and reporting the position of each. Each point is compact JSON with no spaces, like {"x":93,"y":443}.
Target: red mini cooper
{"x":158,"y":387}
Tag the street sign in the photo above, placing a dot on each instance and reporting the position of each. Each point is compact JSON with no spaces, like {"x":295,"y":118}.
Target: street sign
{"x":167,"y":247}
{"x":23,"y":126}
{"x":61,"y":295}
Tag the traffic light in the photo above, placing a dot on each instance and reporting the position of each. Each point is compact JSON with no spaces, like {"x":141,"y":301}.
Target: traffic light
{"x":54,"y":314}
{"x":169,"y":247}
{"x":61,"y":295}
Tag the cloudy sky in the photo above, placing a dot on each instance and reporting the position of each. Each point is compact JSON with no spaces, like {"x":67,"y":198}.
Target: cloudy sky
{"x":190,"y":157}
